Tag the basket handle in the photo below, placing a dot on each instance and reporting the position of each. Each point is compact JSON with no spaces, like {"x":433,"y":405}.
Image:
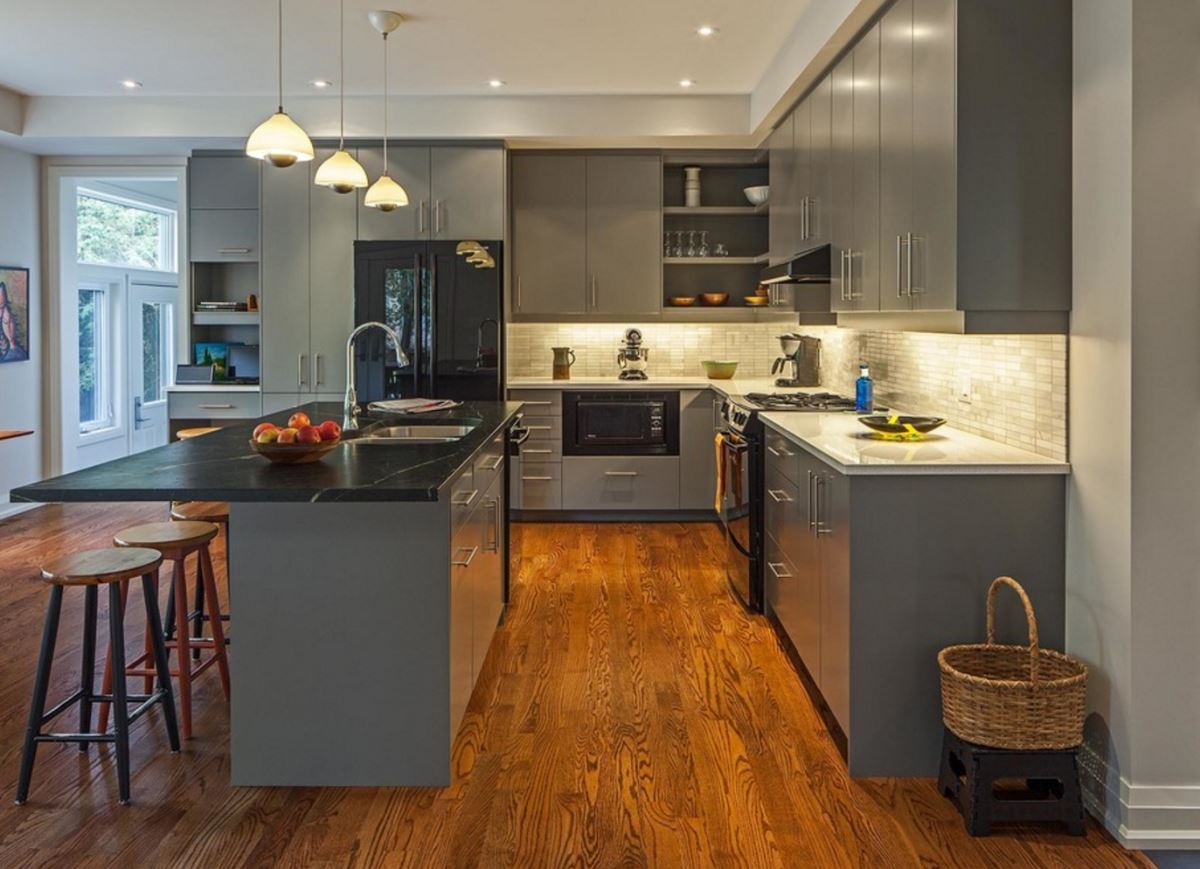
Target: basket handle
{"x":1030,"y":619}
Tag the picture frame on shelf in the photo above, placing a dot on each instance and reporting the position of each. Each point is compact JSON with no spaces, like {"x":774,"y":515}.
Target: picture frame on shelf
{"x":14,"y":314}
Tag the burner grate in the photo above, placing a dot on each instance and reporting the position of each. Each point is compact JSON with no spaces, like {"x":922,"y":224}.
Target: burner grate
{"x":816,"y":401}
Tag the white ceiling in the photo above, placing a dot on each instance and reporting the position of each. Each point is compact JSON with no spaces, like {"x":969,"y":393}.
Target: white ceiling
{"x":224,"y":47}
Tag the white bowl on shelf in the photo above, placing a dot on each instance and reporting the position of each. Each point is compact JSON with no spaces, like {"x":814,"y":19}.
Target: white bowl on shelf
{"x":757,"y":195}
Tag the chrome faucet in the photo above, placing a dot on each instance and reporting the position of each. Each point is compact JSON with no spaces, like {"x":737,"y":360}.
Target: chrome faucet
{"x":350,"y":405}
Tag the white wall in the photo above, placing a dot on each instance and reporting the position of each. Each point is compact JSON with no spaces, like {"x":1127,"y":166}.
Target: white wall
{"x":21,"y":382}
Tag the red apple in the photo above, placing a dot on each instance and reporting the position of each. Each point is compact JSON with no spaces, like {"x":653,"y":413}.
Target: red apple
{"x":308,"y":434}
{"x":298,"y":420}
{"x":262,"y":427}
{"x":330,"y":430}
{"x":267,"y":437}
{"x":287,"y":436}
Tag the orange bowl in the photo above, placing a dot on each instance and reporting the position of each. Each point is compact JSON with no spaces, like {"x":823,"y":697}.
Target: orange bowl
{"x":293,"y":454}
{"x":681,"y":301}
{"x":714,"y":300}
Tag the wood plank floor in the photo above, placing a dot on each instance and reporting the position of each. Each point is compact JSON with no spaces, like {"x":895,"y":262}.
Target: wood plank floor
{"x":629,"y":715}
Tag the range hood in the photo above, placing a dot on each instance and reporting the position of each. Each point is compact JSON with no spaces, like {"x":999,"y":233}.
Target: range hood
{"x":807,"y":267}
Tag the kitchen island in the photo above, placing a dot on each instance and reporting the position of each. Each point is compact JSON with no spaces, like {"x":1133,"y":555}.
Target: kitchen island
{"x":365,"y":589}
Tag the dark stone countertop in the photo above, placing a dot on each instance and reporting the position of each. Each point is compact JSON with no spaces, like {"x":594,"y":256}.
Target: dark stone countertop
{"x":221,"y":466}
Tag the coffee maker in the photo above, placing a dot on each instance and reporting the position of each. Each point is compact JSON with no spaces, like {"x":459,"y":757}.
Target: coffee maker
{"x":800,"y":362}
{"x":632,"y":356}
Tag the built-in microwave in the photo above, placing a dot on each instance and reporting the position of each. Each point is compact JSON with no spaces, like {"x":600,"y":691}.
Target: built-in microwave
{"x":621,"y":423}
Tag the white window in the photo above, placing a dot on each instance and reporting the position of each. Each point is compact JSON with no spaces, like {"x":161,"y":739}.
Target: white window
{"x":114,"y":231}
{"x":95,"y":359}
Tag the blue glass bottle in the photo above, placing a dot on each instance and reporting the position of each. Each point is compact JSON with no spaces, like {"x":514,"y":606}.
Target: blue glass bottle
{"x":864,"y":390}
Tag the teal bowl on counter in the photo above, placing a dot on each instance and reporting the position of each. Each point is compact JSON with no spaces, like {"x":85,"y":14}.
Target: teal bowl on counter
{"x":714,"y":370}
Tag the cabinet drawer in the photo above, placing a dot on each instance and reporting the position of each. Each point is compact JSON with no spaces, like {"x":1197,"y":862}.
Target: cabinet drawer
{"x":786,"y":512}
{"x":793,"y":593}
{"x":464,"y":496}
{"x":620,"y":483}
{"x":214,"y":405}
{"x":538,"y":402}
{"x":224,"y":235}
{"x":489,"y":463}
{"x":540,"y":486}
{"x":542,"y":450}
{"x":782,"y":454}
{"x":544,"y":432}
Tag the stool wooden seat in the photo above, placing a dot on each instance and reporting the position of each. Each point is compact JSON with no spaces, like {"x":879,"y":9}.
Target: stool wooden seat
{"x":188,"y":433}
{"x":90,"y":570}
{"x":216,"y":512}
{"x":176,"y":541}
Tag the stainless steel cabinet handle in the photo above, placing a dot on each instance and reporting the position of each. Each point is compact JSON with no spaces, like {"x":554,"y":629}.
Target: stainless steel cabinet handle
{"x":460,"y":501}
{"x":494,"y":504}
{"x":785,"y":454}
{"x":518,"y":292}
{"x":421,"y":216}
{"x":779,"y":496}
{"x":539,"y":427}
{"x":822,"y":528}
{"x":527,"y":451}
{"x":538,"y":479}
{"x":300,"y":367}
{"x":805,"y":226}
{"x":593,"y":292}
{"x":899,"y":264}
{"x":437,"y":217}
{"x":812,"y":513}
{"x":215,"y":407}
{"x":844,"y":284}
{"x":466,"y":562}
{"x":496,"y":460}
{"x":318,"y":379}
{"x":540,"y":403}
{"x":230,"y":251}
{"x":850,"y":274}
{"x":912,"y":240}
{"x":620,"y":473}
{"x":779,"y":570}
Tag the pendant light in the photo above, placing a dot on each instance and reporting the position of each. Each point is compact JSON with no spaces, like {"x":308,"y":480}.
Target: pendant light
{"x":385,"y":194}
{"x":341,"y":172}
{"x":279,"y":138}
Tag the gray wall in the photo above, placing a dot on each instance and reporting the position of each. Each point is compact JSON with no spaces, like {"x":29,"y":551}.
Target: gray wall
{"x":21,"y":382}
{"x":1134,"y":497}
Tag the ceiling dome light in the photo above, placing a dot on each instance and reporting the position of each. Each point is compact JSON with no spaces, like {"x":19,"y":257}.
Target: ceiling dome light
{"x":341,"y":173}
{"x":706,"y":30}
{"x":385,"y":194}
{"x":279,"y":139}
{"x":686,"y":83}
{"x":321,"y":83}
{"x":495,"y":83}
{"x":130,"y":84}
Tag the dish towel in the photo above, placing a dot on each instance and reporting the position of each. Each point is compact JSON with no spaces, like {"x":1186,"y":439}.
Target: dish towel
{"x":719,"y":440}
{"x":412,"y":405}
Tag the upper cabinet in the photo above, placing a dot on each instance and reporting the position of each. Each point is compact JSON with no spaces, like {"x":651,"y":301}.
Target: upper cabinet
{"x":783,"y":222}
{"x":586,"y":234}
{"x":223,"y":200}
{"x":226,"y":181}
{"x":454,"y":193}
{"x":948,"y":169}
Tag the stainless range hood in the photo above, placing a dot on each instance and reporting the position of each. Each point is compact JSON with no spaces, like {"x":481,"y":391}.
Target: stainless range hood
{"x":807,"y":267}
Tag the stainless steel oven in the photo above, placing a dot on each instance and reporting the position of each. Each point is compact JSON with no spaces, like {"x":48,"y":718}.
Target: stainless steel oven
{"x":632,"y":422}
{"x":741,"y":515}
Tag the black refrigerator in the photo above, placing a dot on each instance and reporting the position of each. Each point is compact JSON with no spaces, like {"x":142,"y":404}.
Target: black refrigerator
{"x":448,"y":313}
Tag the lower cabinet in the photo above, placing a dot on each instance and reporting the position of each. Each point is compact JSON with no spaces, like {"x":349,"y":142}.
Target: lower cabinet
{"x":697,"y":465}
{"x":620,"y":483}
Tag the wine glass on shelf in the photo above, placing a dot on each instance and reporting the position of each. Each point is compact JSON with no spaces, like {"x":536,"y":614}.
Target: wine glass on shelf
{"x":667,"y":243}
{"x":702,"y":251}
{"x":691,"y":246}
{"x":678,"y":249}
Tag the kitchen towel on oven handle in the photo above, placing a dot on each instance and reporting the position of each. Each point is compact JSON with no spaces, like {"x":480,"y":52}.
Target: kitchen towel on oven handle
{"x":719,"y":441}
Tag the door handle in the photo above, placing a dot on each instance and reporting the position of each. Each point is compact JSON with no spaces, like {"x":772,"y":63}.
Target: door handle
{"x":460,"y":501}
{"x":317,"y":366}
{"x":620,"y":473}
{"x":494,"y":504}
{"x":421,"y":217}
{"x":776,"y":568}
{"x":912,"y":240}
{"x":539,"y":403}
{"x":466,"y":562}
{"x":437,"y":217}
{"x":593,"y":292}
{"x":496,"y":460}
{"x":138,"y":419}
{"x":842,"y":275}
{"x":812,"y":516}
{"x":300,"y":366}
{"x":538,"y":479}
{"x":518,"y":292}
{"x":538,"y":427}
{"x":821,"y":527}
{"x":850,"y":274}
{"x":232,"y":251}
{"x":805,"y":233}
{"x":899,"y":266}
{"x":211,"y":407}
{"x":779,"y":496}
{"x":528,"y":451}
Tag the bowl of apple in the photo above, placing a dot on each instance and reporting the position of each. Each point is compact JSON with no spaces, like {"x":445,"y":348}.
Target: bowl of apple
{"x":297,"y":443}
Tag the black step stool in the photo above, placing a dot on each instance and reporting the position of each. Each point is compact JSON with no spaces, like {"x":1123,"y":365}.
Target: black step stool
{"x":969,"y":774}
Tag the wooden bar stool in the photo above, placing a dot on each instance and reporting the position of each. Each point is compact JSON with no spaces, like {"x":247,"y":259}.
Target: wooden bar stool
{"x":176,"y":541}
{"x":114,"y":568}
{"x":216,"y":512}
{"x":185,"y":434}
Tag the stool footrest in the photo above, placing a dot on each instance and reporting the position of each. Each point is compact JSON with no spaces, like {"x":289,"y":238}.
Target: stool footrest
{"x":75,"y":737}
{"x":61,"y":707}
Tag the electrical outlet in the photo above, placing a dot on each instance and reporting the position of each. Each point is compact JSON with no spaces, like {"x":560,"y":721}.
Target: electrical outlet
{"x":964,"y":386}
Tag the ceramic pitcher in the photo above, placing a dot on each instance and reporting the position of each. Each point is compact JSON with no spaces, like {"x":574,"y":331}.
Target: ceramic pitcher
{"x":564,"y":358}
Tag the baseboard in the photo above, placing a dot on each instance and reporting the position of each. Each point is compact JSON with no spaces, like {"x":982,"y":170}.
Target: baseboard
{"x":1143,"y":817}
{"x":614,"y":516}
{"x":9,"y":509}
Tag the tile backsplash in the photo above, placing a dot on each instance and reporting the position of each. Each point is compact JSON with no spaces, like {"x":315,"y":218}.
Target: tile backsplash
{"x":1017,"y":383}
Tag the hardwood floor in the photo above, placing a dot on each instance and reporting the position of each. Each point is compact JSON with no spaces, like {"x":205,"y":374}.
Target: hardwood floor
{"x":628,"y":714}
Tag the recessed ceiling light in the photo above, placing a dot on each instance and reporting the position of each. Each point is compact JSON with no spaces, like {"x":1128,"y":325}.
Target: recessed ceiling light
{"x":686,"y":82}
{"x":321,"y":83}
{"x":130,"y":84}
{"x":706,"y":30}
{"x":495,"y":83}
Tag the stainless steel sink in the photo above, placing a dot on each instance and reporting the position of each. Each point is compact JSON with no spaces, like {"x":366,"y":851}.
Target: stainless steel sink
{"x":414,"y":434}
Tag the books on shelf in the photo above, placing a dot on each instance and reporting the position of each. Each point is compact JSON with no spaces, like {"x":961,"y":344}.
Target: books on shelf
{"x":222,"y":306}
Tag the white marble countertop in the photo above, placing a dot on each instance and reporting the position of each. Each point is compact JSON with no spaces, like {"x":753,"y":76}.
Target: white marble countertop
{"x":215,"y":387}
{"x":735,"y":386}
{"x":841,"y":441}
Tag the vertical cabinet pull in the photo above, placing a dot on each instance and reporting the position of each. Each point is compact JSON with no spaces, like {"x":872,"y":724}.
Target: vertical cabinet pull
{"x":518,"y":292}
{"x":593,"y":292}
{"x":318,"y":370}
{"x":822,"y":526}
{"x":899,"y":267}
{"x":812,"y":515}
{"x":300,"y":372}
{"x":780,"y":571}
{"x":912,"y":241}
{"x":421,"y":217}
{"x":466,"y":562}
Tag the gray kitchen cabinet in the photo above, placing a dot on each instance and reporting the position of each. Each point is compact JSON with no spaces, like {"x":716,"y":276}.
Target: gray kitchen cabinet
{"x":224,"y":235}
{"x":487,"y":595}
{"x":466,"y":193}
{"x":620,"y":482}
{"x":463,"y":551}
{"x":624,"y":234}
{"x":549,"y":234}
{"x":796,"y":196}
{"x":863,"y":263}
{"x":895,"y":150}
{"x":783,"y":219}
{"x":827,"y":585}
{"x":841,"y":163}
{"x":286,"y":359}
{"x":332,"y":227}
{"x":819,"y":167}
{"x":408,"y":167}
{"x":697,"y":466}
{"x":537,"y":471}
{"x":223,"y":182}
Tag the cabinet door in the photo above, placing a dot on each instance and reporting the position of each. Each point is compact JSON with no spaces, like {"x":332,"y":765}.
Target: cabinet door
{"x":467,"y":193}
{"x":781,"y":219}
{"x":841,"y":210}
{"x":864,"y":285}
{"x":801,"y":156}
{"x":488,"y":581}
{"x":549,"y":232}
{"x":832,"y":502}
{"x":409,"y":167}
{"x":895,"y":153}
{"x":820,"y":184}
{"x":285,"y":280}
{"x":934,"y":178}
{"x":624,"y":234}
{"x":464,"y":549}
{"x":331,"y":304}
{"x":697,"y":454}
{"x":225,"y":235}
{"x":223,"y":182}
{"x":804,"y":551}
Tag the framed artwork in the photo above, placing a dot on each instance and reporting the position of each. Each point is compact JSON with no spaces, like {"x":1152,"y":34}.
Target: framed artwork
{"x":14,"y":314}
{"x":214,"y":353}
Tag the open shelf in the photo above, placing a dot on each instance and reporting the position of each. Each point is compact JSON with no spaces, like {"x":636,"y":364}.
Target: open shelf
{"x":226,"y":318}
{"x":716,"y":210}
{"x":761,"y":259}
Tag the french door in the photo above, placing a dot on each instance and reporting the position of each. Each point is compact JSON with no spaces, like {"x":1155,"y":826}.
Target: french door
{"x":151,"y":331}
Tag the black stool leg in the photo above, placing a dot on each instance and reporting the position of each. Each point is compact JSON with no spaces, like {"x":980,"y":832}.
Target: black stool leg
{"x":170,"y":625}
{"x":120,"y":705}
{"x":198,"y":621}
{"x":149,"y":591}
{"x":88,"y":671}
{"x":41,"y":684}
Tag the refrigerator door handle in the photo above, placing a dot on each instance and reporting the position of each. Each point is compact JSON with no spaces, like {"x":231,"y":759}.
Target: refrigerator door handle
{"x":430,"y":298}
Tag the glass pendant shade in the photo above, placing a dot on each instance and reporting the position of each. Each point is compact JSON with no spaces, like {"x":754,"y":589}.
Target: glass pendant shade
{"x":386,"y":195}
{"x":280,"y":140}
{"x":341,"y":173}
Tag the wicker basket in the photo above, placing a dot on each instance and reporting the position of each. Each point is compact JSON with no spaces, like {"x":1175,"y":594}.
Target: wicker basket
{"x":1003,"y":696}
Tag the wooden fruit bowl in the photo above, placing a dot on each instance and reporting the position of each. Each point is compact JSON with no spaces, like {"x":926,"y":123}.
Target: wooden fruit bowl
{"x":293,"y":454}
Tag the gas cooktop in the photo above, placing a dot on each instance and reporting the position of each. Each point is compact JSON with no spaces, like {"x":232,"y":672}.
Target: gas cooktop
{"x":818,"y":402}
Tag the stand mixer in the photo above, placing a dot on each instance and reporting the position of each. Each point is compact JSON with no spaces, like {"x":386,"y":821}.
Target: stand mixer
{"x":632,"y":357}
{"x":803,"y":353}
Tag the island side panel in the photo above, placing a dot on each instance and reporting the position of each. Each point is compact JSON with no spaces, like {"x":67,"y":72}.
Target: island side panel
{"x":923,"y":551}
{"x":340,"y":654}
